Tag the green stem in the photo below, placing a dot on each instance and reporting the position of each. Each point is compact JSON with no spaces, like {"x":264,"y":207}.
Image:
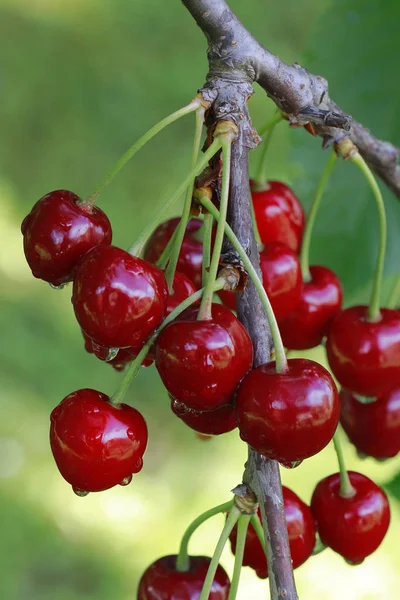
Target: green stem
{"x":395,"y":293}
{"x":276,"y":118}
{"x":212,"y":569}
{"x":346,"y":489}
{"x":242,"y":526}
{"x":183,"y":560}
{"x":280,"y":357}
{"x":164,"y":258}
{"x":194,"y":105}
{"x":374,"y":304}
{"x":181,"y":229}
{"x":258,"y":528}
{"x":134,"y":367}
{"x":138,"y":246}
{"x":305,"y":247}
{"x":207,"y":233}
{"x":261,"y":173}
{"x":206,"y":302}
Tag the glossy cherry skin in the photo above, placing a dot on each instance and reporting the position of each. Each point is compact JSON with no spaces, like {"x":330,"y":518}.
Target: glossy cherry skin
{"x":191,"y":254}
{"x":210,"y":422}
{"x":161,"y":580}
{"x":373,"y":428}
{"x":58,"y":231}
{"x":301,"y":531}
{"x":279,"y":215}
{"x":288,"y":416}
{"x":365,"y":356}
{"x":353,"y":527}
{"x":182,"y":289}
{"x":320,"y":301}
{"x":282,"y":280}
{"x":95,"y":444}
{"x":119,"y":299}
{"x":202,"y":363}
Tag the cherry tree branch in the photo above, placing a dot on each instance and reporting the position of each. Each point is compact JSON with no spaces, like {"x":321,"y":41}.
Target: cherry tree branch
{"x":235,"y":55}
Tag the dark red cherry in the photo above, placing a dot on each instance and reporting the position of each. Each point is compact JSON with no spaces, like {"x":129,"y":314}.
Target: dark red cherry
{"x":373,"y":428}
{"x":353,"y":527}
{"x":202,"y":363}
{"x":95,"y":444}
{"x":279,"y":214}
{"x":320,"y":301}
{"x":365,"y":356}
{"x":58,"y":231}
{"x":282,"y":280}
{"x":119,"y":299}
{"x":211,"y":422}
{"x":288,"y":416}
{"x":301,"y":530}
{"x":191,"y":254}
{"x":161,"y":580}
{"x":182,"y":289}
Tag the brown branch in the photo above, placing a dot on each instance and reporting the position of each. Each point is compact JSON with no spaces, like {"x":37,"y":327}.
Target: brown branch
{"x":235,"y":55}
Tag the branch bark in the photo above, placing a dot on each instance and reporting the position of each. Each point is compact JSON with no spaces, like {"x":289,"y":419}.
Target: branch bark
{"x":234,"y":54}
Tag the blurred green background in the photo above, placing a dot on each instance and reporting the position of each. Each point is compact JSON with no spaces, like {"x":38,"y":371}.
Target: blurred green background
{"x":79,"y":81}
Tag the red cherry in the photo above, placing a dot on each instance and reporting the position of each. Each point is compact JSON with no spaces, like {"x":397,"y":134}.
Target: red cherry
{"x":191,"y":254}
{"x":373,"y":428}
{"x":95,"y":444}
{"x":279,"y":215}
{"x":58,"y":231}
{"x":182,"y":289}
{"x":118,"y":299}
{"x":288,"y":416}
{"x":202,"y":363}
{"x":282,"y":280}
{"x":321,"y":299}
{"x":210,"y":422}
{"x":365,"y":356}
{"x":161,"y":580}
{"x":353,"y":527}
{"x":301,"y":530}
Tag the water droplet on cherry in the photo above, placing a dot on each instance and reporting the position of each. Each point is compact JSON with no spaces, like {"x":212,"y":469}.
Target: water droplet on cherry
{"x":112,"y":353}
{"x":80,"y":493}
{"x":126,"y":480}
{"x":61,"y":286}
{"x":291,"y":465}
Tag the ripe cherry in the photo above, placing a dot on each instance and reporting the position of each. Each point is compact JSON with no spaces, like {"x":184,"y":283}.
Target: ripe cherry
{"x":95,"y":444}
{"x":161,"y":580}
{"x":59,"y":230}
{"x":282,"y":280}
{"x":301,"y":531}
{"x":202,"y":363}
{"x":320,"y":301}
{"x":288,"y":416}
{"x":182,"y":289}
{"x":191,"y":254}
{"x":353,"y":527}
{"x":373,"y":428}
{"x":363,"y":355}
{"x":210,"y":422}
{"x":279,"y":214}
{"x":118,"y":299}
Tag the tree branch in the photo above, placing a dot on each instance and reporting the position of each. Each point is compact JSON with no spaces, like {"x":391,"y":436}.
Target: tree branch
{"x":235,"y":55}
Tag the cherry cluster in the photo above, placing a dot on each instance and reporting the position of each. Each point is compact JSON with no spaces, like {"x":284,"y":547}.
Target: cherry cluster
{"x":205,"y":359}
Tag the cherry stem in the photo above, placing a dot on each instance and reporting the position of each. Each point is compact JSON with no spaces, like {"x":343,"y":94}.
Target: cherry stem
{"x":194,"y":105}
{"x":346,"y":489}
{"x":242,"y":527}
{"x":181,"y":229}
{"x":268,"y":129}
{"x":258,"y":528}
{"x":134,"y":367}
{"x":230,"y":523}
{"x":311,"y":217}
{"x":164,"y":258}
{"x":395,"y":294}
{"x":374,"y":304}
{"x":255,"y":226}
{"x":206,"y":302}
{"x":207,"y":233}
{"x":183,"y":560}
{"x":280,"y":356}
{"x":140,"y":243}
